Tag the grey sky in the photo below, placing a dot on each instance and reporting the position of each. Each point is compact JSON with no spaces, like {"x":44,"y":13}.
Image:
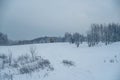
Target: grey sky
{"x":28,"y":19}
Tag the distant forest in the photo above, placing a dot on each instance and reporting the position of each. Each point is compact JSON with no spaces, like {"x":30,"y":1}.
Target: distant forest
{"x":105,"y":33}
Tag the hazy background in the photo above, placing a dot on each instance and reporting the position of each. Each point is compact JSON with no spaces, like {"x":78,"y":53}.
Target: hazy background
{"x":28,"y":19}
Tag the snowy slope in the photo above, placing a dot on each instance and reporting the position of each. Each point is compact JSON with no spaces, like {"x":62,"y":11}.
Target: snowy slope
{"x":91,"y":63}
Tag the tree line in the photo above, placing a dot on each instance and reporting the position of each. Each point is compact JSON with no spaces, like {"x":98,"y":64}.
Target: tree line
{"x":3,"y":39}
{"x":105,"y":33}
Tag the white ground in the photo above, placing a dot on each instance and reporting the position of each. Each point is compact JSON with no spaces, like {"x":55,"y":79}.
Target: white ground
{"x":91,"y":63}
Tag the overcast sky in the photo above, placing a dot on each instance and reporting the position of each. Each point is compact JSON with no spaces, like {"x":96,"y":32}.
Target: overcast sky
{"x":28,"y":19}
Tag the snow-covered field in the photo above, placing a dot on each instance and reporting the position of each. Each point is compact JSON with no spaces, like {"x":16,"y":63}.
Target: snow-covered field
{"x":90,"y":63}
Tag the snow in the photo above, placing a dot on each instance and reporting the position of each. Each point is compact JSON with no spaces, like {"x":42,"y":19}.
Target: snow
{"x":91,"y":63}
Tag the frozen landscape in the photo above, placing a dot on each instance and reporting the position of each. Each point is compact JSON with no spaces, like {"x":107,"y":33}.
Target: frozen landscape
{"x":59,"y":39}
{"x":67,"y":61}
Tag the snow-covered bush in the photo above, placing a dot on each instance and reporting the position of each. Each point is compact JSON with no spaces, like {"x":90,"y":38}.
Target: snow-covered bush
{"x":3,"y":56}
{"x":68,"y":63}
{"x":22,"y":65}
{"x":112,"y":61}
{"x":35,"y":66}
{"x":3,"y":60}
{"x":23,"y":59}
{"x":15,"y":64}
{"x":44,"y":63}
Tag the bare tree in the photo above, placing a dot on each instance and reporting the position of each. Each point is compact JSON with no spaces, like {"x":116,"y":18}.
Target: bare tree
{"x":10,"y":57}
{"x":33,"y":52}
{"x":68,"y":37}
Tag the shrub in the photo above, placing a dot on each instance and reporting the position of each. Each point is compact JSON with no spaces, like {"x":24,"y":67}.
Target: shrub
{"x":68,"y":63}
{"x":24,"y":70}
{"x":112,"y":61}
{"x":23,"y":59}
{"x":36,"y":65}
{"x":3,"y":56}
